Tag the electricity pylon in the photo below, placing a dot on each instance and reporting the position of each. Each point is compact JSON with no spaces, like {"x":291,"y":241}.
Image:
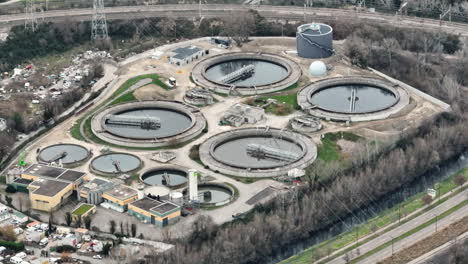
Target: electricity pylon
{"x":99,"y":24}
{"x":31,"y":19}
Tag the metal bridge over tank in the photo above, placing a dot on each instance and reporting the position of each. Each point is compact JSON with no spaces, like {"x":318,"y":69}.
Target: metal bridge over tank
{"x":59,"y":156}
{"x":264,"y":152}
{"x":352,"y":100}
{"x":145,"y":122}
{"x":240,"y":74}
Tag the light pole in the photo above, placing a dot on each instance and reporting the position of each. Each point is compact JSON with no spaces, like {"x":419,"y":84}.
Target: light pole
{"x":435,"y":222}
{"x":392,"y":245}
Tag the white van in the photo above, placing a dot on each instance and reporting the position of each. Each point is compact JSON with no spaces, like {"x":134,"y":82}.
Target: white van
{"x":16,"y":260}
{"x":21,"y":255}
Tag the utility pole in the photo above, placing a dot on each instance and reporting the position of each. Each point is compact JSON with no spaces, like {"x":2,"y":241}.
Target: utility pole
{"x":99,"y":24}
{"x":199,"y":9}
{"x":392,"y":246}
{"x":436,"y":222}
{"x":31,"y":19}
{"x":399,"y":213}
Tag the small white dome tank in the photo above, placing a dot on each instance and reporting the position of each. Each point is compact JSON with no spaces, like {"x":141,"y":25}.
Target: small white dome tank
{"x":318,"y":69}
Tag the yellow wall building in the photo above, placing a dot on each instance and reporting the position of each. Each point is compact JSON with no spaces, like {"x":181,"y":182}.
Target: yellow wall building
{"x":51,"y":186}
{"x":48,"y":195}
{"x":159,"y":213}
{"x":119,"y":197}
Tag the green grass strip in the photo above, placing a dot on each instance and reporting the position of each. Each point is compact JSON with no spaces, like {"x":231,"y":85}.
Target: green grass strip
{"x":82,"y":209}
{"x":119,"y":96}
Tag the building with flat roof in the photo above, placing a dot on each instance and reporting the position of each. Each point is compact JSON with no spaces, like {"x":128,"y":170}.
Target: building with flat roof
{"x":49,"y":194}
{"x":92,"y":191}
{"x":185,"y":55}
{"x":240,"y":114}
{"x":119,"y":197}
{"x":36,"y":171}
{"x":48,"y":186}
{"x":160,"y":213}
{"x":21,"y":185}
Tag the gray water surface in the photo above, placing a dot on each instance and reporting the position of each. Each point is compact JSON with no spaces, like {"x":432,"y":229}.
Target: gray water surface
{"x":74,"y":153}
{"x":234,"y":152}
{"x":172,"y":123}
{"x":218,"y":194}
{"x":105,"y":163}
{"x":368,"y":99}
{"x":265,"y":72}
{"x":176,"y":177}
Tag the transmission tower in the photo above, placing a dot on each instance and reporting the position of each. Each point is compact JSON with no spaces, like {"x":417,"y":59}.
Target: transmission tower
{"x":31,"y":19}
{"x":99,"y":26}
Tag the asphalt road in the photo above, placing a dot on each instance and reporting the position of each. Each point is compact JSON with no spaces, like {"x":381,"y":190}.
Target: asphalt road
{"x":387,"y":237}
{"x":270,"y":12}
{"x":418,"y":236}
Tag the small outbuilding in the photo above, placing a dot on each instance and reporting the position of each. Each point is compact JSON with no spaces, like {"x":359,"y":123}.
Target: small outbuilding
{"x":186,"y":55}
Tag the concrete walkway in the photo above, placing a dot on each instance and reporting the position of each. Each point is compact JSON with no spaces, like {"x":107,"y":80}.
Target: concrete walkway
{"x":374,"y":243}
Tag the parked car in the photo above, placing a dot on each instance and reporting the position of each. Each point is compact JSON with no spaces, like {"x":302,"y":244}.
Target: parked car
{"x":97,"y":257}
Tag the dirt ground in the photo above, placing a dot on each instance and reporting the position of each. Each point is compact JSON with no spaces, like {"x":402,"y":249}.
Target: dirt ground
{"x":153,"y":92}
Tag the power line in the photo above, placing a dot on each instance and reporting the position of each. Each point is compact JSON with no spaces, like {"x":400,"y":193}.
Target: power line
{"x":31,"y":19}
{"x":99,"y":24}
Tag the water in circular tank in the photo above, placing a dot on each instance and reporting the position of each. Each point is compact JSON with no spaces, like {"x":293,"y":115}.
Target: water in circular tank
{"x":314,"y":41}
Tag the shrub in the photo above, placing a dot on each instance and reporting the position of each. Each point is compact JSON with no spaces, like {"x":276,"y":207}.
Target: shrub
{"x":10,"y":189}
{"x":65,"y":248}
{"x":12,"y":245}
{"x":194,"y":153}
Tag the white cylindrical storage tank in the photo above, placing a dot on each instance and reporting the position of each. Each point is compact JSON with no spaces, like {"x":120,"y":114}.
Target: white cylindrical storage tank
{"x":176,"y":197}
{"x":314,"y":41}
{"x":193,"y":185}
{"x":318,"y":69}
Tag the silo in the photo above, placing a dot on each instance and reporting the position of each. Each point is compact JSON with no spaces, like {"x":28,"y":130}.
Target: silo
{"x":314,"y":41}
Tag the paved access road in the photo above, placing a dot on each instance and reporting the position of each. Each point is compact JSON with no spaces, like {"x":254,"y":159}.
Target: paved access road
{"x":213,"y":10}
{"x":396,"y":232}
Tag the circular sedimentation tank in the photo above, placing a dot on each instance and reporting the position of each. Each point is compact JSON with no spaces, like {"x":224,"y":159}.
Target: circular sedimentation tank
{"x":148,"y":123}
{"x":257,"y":152}
{"x":70,"y":155}
{"x":169,"y":176}
{"x":214,"y":194}
{"x":246,"y":73}
{"x":115,"y":164}
{"x":352,"y":99}
{"x":314,"y":41}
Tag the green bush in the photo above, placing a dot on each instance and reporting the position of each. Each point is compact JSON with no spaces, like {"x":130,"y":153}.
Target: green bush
{"x":65,"y":248}
{"x":12,"y":245}
{"x":10,"y":189}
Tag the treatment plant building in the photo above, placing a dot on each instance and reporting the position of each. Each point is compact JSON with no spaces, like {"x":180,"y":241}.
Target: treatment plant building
{"x":159,"y":213}
{"x":50,"y":186}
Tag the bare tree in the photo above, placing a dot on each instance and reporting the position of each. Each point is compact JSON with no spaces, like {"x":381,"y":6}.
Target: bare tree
{"x":391,"y":46}
{"x":239,"y":27}
{"x":451,"y":87}
{"x":167,"y":26}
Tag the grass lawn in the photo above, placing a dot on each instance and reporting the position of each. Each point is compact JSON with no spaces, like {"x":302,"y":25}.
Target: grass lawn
{"x":82,"y":209}
{"x":128,"y":97}
{"x":119,"y":96}
{"x":329,"y":149}
{"x":383,"y":220}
